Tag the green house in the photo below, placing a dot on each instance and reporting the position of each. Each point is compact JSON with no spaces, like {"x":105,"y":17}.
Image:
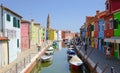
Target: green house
{"x":116,"y":23}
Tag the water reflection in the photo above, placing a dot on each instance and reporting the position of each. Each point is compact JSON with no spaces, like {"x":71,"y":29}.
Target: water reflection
{"x":46,"y":64}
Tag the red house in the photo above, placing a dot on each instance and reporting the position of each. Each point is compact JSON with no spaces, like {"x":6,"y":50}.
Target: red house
{"x":112,"y":5}
{"x":25,"y":36}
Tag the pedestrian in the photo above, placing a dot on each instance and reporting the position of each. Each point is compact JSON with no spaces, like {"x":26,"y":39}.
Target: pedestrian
{"x":108,"y":54}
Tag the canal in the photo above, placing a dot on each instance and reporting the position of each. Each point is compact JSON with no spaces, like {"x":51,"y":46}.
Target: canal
{"x":59,"y":64}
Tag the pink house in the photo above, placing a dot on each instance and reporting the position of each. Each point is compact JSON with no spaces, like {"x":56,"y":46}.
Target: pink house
{"x":25,"y":35}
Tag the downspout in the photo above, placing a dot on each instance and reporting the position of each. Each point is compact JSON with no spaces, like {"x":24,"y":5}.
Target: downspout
{"x":2,"y":18}
{"x":8,"y":51}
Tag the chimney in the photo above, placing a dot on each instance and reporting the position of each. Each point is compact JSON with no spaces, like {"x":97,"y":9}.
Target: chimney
{"x":97,"y":12}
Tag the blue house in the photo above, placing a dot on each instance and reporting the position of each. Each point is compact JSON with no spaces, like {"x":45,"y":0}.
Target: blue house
{"x":101,"y":35}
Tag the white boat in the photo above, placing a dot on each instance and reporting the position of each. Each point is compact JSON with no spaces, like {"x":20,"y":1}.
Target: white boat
{"x":51,"y":49}
{"x":75,"y":62}
{"x":46,"y":58}
{"x":49,"y":52}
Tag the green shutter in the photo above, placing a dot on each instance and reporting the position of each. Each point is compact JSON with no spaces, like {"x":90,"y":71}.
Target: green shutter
{"x":8,"y":17}
{"x":17,"y":43}
{"x":18,"y":23}
{"x":14,"y":22}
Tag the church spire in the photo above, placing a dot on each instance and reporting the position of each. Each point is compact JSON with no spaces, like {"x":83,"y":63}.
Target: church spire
{"x":48,"y":21}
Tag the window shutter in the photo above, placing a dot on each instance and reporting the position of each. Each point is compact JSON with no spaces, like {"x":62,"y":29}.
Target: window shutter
{"x":17,"y":43}
{"x":8,"y":17}
{"x":14,"y":22}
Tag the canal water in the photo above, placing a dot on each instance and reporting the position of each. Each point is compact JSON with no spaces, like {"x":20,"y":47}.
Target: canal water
{"x":59,"y":64}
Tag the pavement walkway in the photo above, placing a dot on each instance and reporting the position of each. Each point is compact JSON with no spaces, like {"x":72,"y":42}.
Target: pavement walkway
{"x":104,"y":64}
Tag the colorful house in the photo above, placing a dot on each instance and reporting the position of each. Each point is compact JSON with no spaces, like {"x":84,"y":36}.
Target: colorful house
{"x":52,"y":34}
{"x":59,"y":35}
{"x":34,"y":33}
{"x":113,"y":8}
{"x":10,"y":27}
{"x":4,"y":57}
{"x":25,"y":35}
{"x":43,"y":35}
{"x":101,"y":23}
{"x":83,"y":32}
{"x":117,"y":34}
{"x":89,"y":19}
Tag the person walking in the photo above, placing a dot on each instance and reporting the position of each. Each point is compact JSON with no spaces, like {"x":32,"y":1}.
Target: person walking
{"x":108,"y":54}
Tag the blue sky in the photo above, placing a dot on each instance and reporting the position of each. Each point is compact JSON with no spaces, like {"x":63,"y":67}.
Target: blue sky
{"x":64,"y":14}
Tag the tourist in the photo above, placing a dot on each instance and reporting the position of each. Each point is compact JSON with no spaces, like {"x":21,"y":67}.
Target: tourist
{"x":108,"y":54}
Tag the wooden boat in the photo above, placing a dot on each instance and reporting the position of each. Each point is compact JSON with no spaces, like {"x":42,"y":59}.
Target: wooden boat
{"x":75,"y":62}
{"x":46,"y":58}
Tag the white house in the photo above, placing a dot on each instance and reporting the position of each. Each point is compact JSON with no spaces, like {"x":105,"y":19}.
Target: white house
{"x":59,"y":35}
{"x":10,"y":27}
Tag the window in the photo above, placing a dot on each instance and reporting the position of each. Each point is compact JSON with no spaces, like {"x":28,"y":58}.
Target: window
{"x":111,"y":23}
{"x":107,"y":6}
{"x":115,"y":24}
{"x":92,"y":27}
{"x":102,"y":41}
{"x":8,"y":17}
{"x":98,"y":27}
{"x":17,"y":43}
{"x":14,"y":22}
{"x":18,"y":23}
{"x":105,"y":27}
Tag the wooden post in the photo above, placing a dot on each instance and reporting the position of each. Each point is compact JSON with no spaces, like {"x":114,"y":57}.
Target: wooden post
{"x":94,"y":68}
{"x":16,"y":68}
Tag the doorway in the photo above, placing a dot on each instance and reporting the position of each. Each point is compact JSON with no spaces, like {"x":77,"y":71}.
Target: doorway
{"x":119,"y":50}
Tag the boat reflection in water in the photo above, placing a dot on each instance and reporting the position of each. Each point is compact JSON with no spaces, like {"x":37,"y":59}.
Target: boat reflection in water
{"x":46,"y":64}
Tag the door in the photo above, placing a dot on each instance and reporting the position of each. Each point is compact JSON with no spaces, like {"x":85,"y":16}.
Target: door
{"x":1,"y":55}
{"x":119,"y":51}
{"x":99,"y":44}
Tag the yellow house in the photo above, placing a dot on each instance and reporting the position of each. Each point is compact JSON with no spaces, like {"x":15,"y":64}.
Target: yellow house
{"x":52,"y":34}
{"x":3,"y":51}
{"x":35,"y":33}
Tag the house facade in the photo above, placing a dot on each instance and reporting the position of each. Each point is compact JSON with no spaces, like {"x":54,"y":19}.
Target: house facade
{"x":25,"y":35}
{"x":34,"y":33}
{"x":10,"y":27}
{"x":4,"y":57}
{"x":101,"y":23}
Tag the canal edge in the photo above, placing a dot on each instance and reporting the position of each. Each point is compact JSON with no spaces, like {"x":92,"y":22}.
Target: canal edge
{"x":31,"y":65}
{"x":88,"y":61}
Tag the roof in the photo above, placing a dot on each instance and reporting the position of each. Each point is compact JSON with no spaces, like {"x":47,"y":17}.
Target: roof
{"x":7,"y":9}
{"x":3,"y":38}
{"x":25,"y":21}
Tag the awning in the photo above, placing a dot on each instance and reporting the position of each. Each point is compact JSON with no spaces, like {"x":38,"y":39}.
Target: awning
{"x":112,"y":40}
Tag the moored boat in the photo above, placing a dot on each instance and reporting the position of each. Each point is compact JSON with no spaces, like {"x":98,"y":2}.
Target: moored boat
{"x":46,"y":58}
{"x":75,"y":62}
{"x":70,"y":53}
{"x":49,"y":52}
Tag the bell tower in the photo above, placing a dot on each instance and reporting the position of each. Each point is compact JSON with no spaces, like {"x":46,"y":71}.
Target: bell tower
{"x":48,"y":22}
